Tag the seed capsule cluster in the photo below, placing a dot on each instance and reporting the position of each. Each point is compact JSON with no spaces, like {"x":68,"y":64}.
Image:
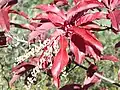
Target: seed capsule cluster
{"x":45,"y":52}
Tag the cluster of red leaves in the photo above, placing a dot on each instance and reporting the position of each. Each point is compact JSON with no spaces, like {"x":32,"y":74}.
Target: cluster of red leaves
{"x":74,"y":26}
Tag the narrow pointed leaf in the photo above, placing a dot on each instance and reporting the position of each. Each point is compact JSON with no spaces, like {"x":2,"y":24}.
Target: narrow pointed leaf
{"x":21,"y":13}
{"x":60,"y":60}
{"x":110,"y":57}
{"x":89,"y":18}
{"x":14,"y":78}
{"x":81,"y":6}
{"x":51,"y":8}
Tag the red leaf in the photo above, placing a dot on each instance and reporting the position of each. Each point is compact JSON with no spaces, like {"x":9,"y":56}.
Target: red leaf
{"x":117,"y":45}
{"x":57,"y":32}
{"x":76,"y":1}
{"x":43,"y":17}
{"x":21,"y":13}
{"x":25,"y":67}
{"x":32,"y":26}
{"x":40,"y":30}
{"x":56,"y":81}
{"x":8,"y":39}
{"x":79,"y":56}
{"x":78,"y":42}
{"x":4,"y":19}
{"x":27,"y":26}
{"x":20,"y":70}
{"x":34,"y":60}
{"x":114,"y":16}
{"x":89,"y":18}
{"x":60,"y":60}
{"x":110,"y":57}
{"x":77,"y":46}
{"x":5,"y":3}
{"x":81,"y":6}
{"x":91,"y":26}
{"x":93,"y":52}
{"x":111,"y":4}
{"x":72,"y":87}
{"x":51,"y":8}
{"x":91,"y":70}
{"x":61,"y":2}
{"x":58,"y":21}
{"x":90,"y":81}
{"x":14,"y":78}
{"x":88,"y":37}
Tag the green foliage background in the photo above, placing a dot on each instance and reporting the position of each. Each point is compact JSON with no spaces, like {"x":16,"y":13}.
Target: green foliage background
{"x":17,"y":48}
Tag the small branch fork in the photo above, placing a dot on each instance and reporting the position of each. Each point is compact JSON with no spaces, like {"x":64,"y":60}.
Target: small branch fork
{"x":100,"y":76}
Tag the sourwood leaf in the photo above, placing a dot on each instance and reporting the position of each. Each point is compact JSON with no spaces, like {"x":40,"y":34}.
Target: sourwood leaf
{"x":110,"y":57}
{"x":60,"y":60}
{"x":88,"y":37}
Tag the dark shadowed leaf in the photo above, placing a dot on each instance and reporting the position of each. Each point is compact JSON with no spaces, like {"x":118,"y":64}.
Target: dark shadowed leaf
{"x":88,"y":37}
{"x":77,"y":46}
{"x":5,"y":3}
{"x":117,"y":45}
{"x":60,"y":60}
{"x":78,"y":42}
{"x":91,"y":70}
{"x":71,"y":87}
{"x":79,"y":55}
{"x":93,"y":52}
